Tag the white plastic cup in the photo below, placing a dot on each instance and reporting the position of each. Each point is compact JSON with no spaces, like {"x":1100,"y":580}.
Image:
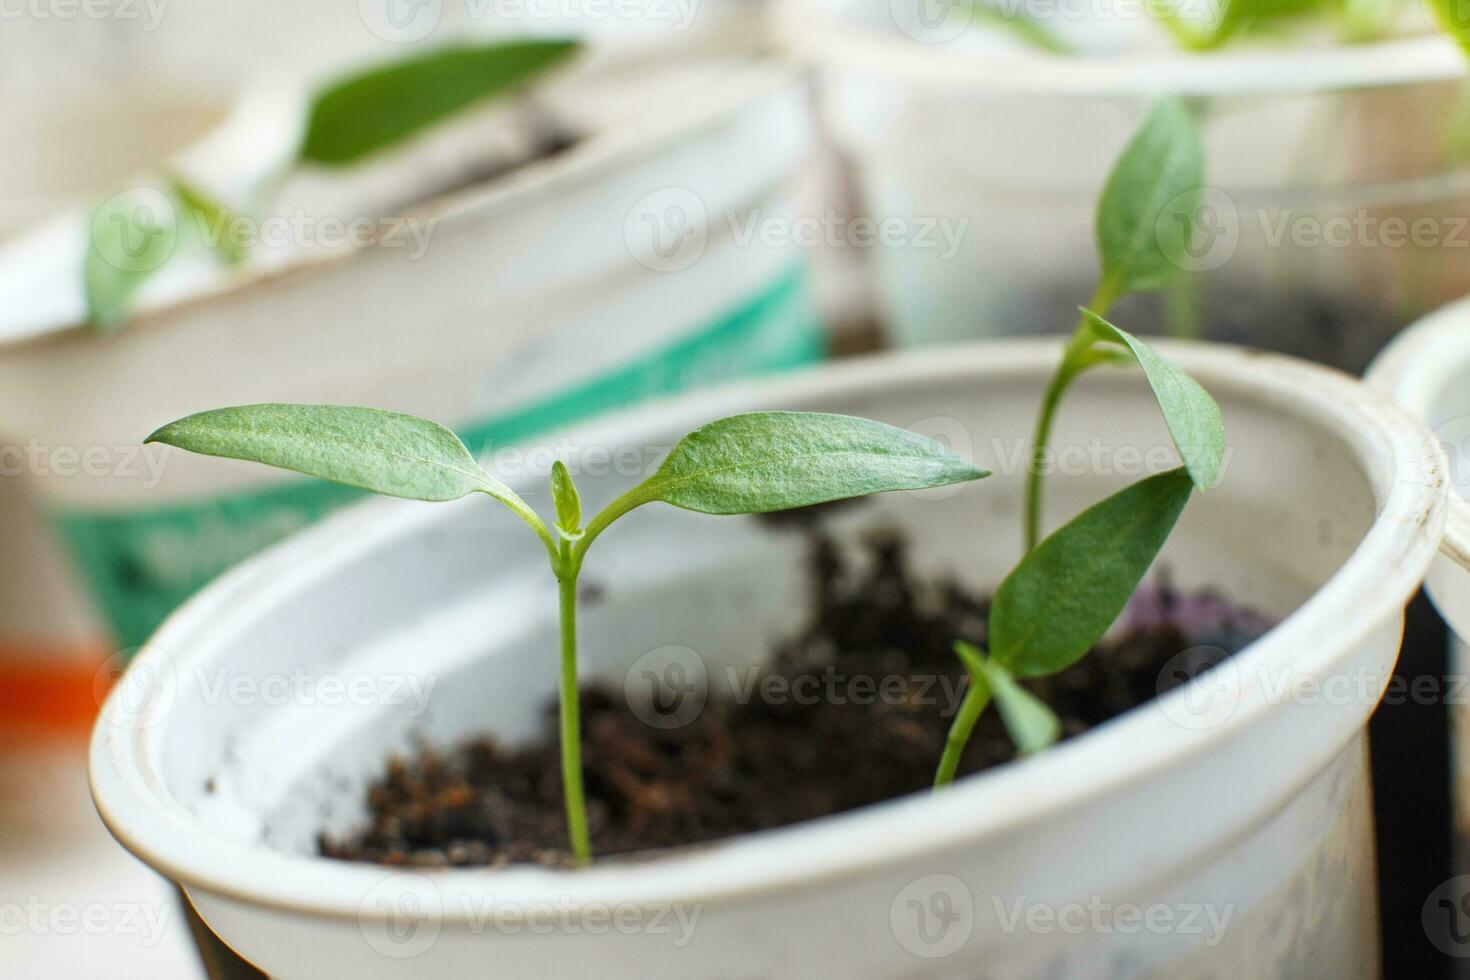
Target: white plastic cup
{"x":1330,"y":194}
{"x":1243,"y":801}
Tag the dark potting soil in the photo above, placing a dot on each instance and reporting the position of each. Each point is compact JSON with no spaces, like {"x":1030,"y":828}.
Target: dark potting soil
{"x":857,"y":712}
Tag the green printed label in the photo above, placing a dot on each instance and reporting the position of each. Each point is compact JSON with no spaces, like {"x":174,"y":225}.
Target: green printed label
{"x":140,"y":564}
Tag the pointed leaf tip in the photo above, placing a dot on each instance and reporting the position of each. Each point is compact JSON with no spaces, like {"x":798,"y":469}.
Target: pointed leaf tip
{"x":1192,"y":415}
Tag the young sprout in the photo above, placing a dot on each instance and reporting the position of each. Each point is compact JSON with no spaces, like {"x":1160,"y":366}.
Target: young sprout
{"x":1057,"y":603}
{"x":746,"y":464}
{"x":350,"y":119}
{"x":1145,"y":221}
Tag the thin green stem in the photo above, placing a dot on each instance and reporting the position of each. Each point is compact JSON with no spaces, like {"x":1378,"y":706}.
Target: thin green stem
{"x":1074,"y":362}
{"x":1181,"y":301}
{"x":976,"y":698}
{"x":628,"y":501}
{"x":571,"y":713}
{"x":533,"y":520}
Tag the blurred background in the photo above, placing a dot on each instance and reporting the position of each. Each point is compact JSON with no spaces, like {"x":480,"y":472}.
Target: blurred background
{"x":513,"y":214}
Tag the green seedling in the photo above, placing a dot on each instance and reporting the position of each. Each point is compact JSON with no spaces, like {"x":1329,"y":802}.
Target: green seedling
{"x":1056,"y":604}
{"x":1067,"y":590}
{"x":746,"y":464}
{"x":349,"y":120}
{"x":1145,"y":220}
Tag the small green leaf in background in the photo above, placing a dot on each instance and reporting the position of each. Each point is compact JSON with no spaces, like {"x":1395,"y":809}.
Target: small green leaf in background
{"x":378,"y":108}
{"x":769,"y":461}
{"x":1020,"y":25}
{"x":212,"y":219}
{"x":1069,"y":589}
{"x":1452,"y":19}
{"x":1367,"y":20}
{"x":1146,"y":215}
{"x":385,"y":452}
{"x":568,"y":501}
{"x":1192,"y":415}
{"x":1031,"y":724}
{"x":133,"y":233}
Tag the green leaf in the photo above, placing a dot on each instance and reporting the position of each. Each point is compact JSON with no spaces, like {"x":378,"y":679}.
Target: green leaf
{"x":385,"y":452}
{"x":1192,"y":416}
{"x":1452,"y":20}
{"x":1020,"y":25}
{"x":1069,"y":589}
{"x":133,"y":234}
{"x":368,"y":112}
{"x":1031,"y":724}
{"x":568,"y":501}
{"x":1145,"y":217}
{"x":769,"y":461}
{"x":213,"y":220}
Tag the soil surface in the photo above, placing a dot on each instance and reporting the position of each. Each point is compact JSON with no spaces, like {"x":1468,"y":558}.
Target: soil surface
{"x":856,"y":712}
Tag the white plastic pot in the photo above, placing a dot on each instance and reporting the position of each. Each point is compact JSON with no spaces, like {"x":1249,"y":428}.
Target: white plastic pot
{"x":1244,"y":797}
{"x":1427,"y":370}
{"x":1320,"y":158}
{"x":586,"y":281}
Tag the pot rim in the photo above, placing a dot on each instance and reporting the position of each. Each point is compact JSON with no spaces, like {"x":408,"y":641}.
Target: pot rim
{"x":819,"y":31}
{"x":1415,"y":370}
{"x":1373,"y":585}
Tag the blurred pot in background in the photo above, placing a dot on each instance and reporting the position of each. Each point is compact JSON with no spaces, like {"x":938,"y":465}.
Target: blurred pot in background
{"x":1332,"y":215}
{"x":1427,"y":370}
{"x":506,"y":291}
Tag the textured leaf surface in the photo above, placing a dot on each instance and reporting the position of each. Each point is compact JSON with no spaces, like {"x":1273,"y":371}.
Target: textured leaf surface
{"x":385,"y":452}
{"x":769,"y":461}
{"x":1069,"y":589}
{"x":1193,"y":417}
{"x":1146,"y":215}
